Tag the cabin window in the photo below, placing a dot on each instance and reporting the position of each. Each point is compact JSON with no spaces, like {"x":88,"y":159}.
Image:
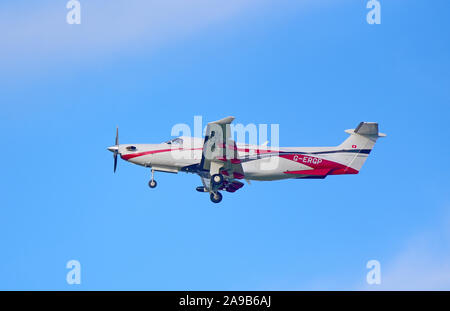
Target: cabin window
{"x":175,"y":141}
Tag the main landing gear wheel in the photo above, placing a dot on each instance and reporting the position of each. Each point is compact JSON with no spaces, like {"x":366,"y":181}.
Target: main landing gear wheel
{"x":217,"y":180}
{"x":152,"y":183}
{"x":216,"y":197}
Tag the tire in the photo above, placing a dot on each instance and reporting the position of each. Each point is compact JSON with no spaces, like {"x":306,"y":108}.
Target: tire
{"x":217,"y":180}
{"x":152,"y":183}
{"x":216,"y":197}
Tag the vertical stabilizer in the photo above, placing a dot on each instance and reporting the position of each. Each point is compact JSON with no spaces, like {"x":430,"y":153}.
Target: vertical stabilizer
{"x":360,"y":143}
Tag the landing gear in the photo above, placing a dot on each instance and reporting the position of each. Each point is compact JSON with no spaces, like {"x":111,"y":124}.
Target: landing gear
{"x":216,"y":180}
{"x":215,"y":197}
{"x":152,"y":183}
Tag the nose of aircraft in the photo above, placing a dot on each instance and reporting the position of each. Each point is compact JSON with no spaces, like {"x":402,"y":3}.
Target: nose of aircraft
{"x":113,"y":148}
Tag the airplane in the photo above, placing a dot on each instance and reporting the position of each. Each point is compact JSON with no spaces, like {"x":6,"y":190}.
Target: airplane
{"x":222,"y":163}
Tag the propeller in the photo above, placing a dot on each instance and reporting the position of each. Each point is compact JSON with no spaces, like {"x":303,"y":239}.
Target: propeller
{"x":115,"y":149}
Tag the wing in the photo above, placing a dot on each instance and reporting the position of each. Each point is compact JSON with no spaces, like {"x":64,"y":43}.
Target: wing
{"x":220,"y":154}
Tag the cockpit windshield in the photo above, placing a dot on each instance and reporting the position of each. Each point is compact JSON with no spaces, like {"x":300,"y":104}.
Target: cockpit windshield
{"x":175,"y":141}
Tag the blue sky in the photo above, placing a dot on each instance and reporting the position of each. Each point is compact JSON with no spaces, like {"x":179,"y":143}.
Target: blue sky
{"x":314,"y":67}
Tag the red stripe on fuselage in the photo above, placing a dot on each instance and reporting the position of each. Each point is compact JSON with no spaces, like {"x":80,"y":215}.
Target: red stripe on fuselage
{"x":313,"y":162}
{"x":319,"y":164}
{"x":140,"y":154}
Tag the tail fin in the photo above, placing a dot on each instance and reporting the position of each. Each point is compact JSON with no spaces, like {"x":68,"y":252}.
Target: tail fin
{"x":361,"y":140}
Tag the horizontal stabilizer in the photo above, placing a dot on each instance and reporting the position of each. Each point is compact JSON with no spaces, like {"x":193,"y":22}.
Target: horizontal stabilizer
{"x":367,"y":129}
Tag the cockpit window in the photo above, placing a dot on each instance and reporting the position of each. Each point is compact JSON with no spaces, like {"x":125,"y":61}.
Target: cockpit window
{"x":131,"y":148}
{"x":175,"y":141}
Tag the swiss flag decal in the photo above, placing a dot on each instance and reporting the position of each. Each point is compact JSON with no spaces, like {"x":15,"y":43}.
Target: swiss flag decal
{"x":353,"y":146}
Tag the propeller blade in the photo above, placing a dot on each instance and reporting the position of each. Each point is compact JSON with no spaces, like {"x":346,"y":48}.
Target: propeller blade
{"x":116,"y":151}
{"x":115,"y":161}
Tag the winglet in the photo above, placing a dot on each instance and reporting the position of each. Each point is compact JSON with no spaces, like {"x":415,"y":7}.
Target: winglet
{"x":226,"y":120}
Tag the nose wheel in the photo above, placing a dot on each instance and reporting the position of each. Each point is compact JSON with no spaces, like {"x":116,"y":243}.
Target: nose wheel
{"x":152,"y":183}
{"x":215,"y":197}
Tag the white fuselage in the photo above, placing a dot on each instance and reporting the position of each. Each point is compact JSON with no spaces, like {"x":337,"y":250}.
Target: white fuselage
{"x":258,"y":162}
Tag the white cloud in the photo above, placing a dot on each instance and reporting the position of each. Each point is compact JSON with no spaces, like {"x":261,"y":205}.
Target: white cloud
{"x":423,"y":264}
{"x":38,"y":33}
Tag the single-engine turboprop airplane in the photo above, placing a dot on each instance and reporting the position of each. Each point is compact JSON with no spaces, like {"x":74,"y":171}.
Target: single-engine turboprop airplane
{"x":221,"y":163}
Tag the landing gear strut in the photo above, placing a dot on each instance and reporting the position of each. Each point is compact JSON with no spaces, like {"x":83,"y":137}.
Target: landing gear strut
{"x":215,"y":197}
{"x":152,"y":183}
